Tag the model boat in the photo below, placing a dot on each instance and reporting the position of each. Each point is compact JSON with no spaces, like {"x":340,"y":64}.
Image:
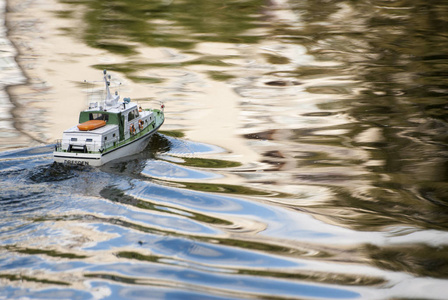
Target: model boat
{"x":108,"y":130}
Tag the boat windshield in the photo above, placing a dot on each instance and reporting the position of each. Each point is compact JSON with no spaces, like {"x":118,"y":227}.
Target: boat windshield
{"x":98,"y":116}
{"x":133,"y":114}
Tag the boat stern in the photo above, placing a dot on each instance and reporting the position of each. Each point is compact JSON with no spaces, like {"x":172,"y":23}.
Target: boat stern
{"x":75,"y":158}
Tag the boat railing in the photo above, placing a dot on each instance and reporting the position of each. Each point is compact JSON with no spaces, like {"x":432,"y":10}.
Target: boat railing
{"x":58,"y":145}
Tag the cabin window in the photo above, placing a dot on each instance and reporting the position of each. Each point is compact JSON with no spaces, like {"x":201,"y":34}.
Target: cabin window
{"x":89,"y":140}
{"x":99,"y":116}
{"x":105,"y":138}
{"x":113,"y":135}
{"x":132,"y":115}
{"x":74,"y":139}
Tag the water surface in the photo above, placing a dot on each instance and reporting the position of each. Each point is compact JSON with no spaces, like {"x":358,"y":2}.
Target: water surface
{"x":304,"y":156}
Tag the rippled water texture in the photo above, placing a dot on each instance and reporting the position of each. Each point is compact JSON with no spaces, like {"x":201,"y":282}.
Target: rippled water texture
{"x":304,"y":156}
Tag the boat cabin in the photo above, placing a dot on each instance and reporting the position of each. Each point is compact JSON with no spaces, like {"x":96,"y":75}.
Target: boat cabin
{"x":108,"y":127}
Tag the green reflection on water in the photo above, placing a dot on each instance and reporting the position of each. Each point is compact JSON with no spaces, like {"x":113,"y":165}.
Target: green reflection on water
{"x":222,"y":188}
{"x":117,"y":278}
{"x":138,"y":256}
{"x":118,"y":26}
{"x":220,"y":75}
{"x":130,"y":68}
{"x":276,"y":59}
{"x":52,"y":253}
{"x":64,"y":14}
{"x":329,"y":278}
{"x":21,"y":278}
{"x":145,"y":79}
{"x":209,"y":163}
{"x":173,"y":133}
{"x":420,"y":260}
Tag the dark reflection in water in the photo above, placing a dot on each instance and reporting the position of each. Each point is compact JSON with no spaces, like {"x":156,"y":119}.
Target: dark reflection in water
{"x":395,"y":53}
{"x":177,"y":24}
{"x":345,"y":102}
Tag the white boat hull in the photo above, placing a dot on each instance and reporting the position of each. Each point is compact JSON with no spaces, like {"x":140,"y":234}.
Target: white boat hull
{"x":98,"y":159}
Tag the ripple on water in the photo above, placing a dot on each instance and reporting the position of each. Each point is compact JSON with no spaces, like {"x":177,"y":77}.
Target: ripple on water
{"x":165,"y":170}
{"x":233,"y":284}
{"x":25,"y":159}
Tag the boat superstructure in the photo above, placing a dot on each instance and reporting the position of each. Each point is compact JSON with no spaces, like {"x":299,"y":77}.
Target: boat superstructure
{"x":108,"y":130}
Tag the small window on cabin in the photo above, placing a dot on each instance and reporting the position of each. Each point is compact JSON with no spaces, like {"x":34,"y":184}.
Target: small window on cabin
{"x":113,"y":135}
{"x":99,"y":116}
{"x":74,"y":139}
{"x":105,"y":138}
{"x":131,"y":116}
{"x":89,"y":140}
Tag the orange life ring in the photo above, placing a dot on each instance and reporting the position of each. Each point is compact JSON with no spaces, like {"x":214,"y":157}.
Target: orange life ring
{"x":132,"y":129}
{"x":140,"y":124}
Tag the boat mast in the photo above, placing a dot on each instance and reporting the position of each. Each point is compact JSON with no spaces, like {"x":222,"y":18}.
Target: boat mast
{"x":107,"y":83}
{"x":110,"y":100}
